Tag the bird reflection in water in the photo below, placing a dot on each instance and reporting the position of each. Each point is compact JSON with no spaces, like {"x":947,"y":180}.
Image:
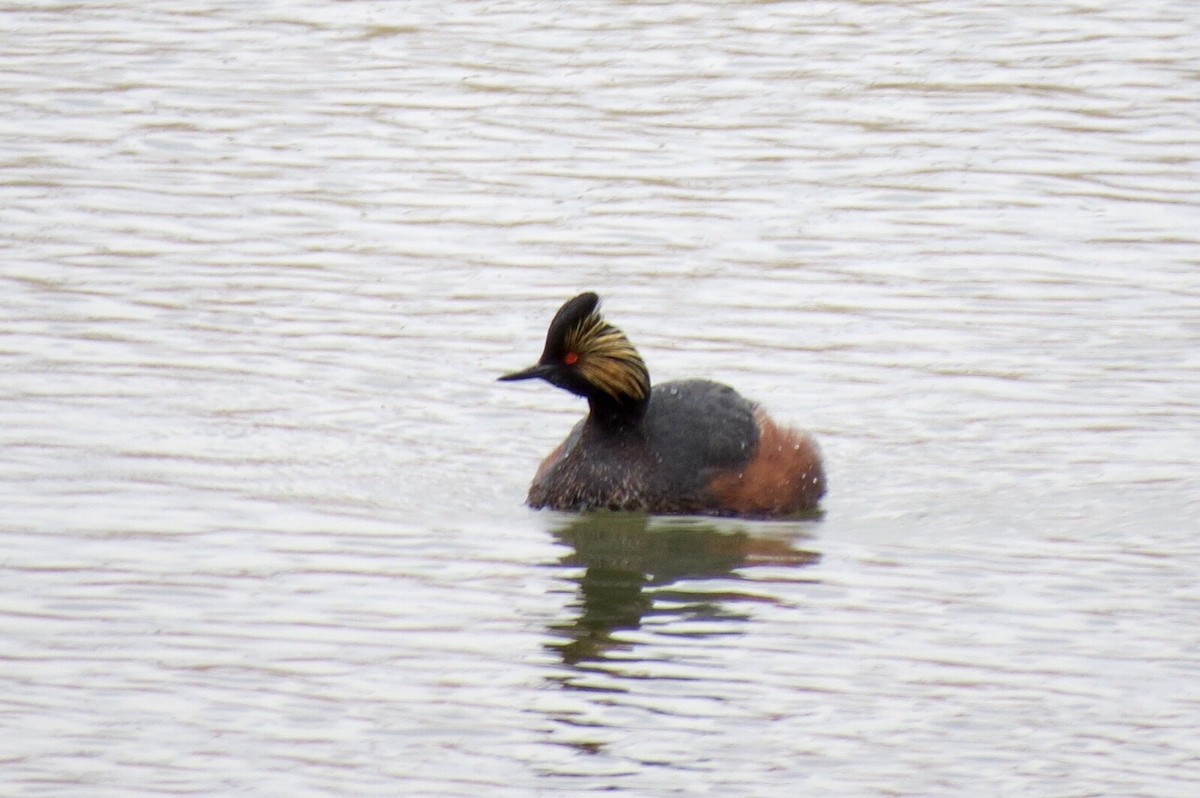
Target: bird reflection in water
{"x":635,"y":567}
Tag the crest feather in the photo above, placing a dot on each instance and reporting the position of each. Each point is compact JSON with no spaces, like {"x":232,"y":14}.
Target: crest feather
{"x":607,"y":359}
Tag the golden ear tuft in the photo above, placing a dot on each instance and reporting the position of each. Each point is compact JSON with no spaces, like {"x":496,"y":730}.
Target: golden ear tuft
{"x":607,"y":359}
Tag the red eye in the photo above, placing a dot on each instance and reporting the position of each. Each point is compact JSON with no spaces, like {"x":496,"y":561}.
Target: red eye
{"x":570,"y":358}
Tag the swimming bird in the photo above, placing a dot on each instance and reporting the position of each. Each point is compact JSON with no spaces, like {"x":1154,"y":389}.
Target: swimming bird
{"x":681,"y":447}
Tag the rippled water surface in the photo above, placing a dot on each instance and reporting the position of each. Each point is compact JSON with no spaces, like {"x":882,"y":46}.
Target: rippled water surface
{"x":260,"y":495}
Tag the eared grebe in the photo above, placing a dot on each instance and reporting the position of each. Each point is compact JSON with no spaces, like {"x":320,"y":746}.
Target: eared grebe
{"x":685,"y":447}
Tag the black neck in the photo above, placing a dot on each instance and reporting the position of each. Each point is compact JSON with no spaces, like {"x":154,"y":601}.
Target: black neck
{"x":614,"y":415}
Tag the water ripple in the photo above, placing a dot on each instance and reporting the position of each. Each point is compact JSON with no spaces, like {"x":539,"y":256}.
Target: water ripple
{"x":261,"y":495}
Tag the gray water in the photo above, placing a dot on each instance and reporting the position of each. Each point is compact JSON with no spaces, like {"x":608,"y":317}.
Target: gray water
{"x":261,"y":498}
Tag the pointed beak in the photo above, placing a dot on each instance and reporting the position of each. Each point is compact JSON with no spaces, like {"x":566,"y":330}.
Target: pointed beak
{"x":533,"y":372}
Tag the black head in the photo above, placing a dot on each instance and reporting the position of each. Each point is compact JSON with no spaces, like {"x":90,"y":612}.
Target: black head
{"x":589,"y":357}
